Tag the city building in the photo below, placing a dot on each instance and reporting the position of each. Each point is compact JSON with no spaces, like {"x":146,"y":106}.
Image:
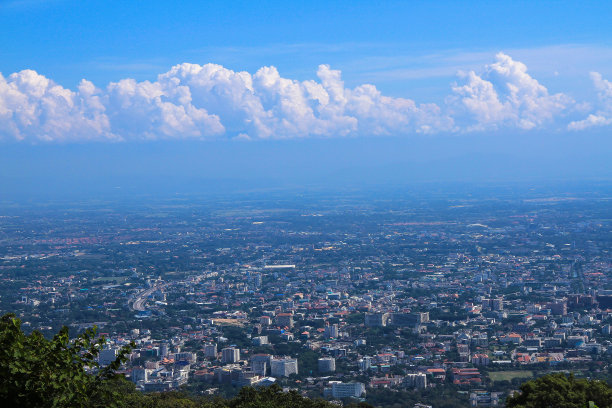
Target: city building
{"x":210,"y":350}
{"x":376,"y":319}
{"x":230,"y":355}
{"x":416,"y":380}
{"x":283,"y":367}
{"x":339,"y":389}
{"x":327,"y":365}
{"x":331,"y":331}
{"x":107,"y":356}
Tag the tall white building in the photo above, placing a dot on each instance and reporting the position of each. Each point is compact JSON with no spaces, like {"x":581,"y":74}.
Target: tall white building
{"x":230,"y":355}
{"x":327,"y":365}
{"x":365,"y":363}
{"x":139,"y":374}
{"x":345,"y":390}
{"x":260,"y":367}
{"x":260,"y":364}
{"x":185,"y":356}
{"x":163,"y":350}
{"x":210,"y":350}
{"x":376,"y":319}
{"x":331,"y":331}
{"x":283,"y":367}
{"x":416,"y":380}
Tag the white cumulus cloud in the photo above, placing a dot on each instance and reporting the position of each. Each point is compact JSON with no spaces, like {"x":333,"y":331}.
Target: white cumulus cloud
{"x":211,"y":101}
{"x":505,"y":95}
{"x":603,"y":116}
{"x":162,"y":109}
{"x":266,"y":105}
{"x":33,"y":107}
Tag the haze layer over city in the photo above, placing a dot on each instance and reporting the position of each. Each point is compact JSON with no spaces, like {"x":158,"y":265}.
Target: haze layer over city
{"x":353,"y":203}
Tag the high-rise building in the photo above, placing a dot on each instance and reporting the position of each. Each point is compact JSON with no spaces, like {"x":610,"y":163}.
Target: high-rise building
{"x":185,"y":356}
{"x":210,"y":350}
{"x":230,"y":355}
{"x":163,"y":350}
{"x":409,"y":319}
{"x":365,"y":363}
{"x":331,"y":331}
{"x":224,"y":374}
{"x":327,"y":365}
{"x":260,"y":364}
{"x":497,"y":304}
{"x":283,"y":367}
{"x":345,"y":390}
{"x":416,"y":380}
{"x":139,"y":374}
{"x":376,"y":319}
{"x":260,"y":367}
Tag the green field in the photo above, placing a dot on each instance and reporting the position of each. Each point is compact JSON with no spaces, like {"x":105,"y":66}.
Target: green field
{"x":509,"y":375}
{"x":110,"y":280}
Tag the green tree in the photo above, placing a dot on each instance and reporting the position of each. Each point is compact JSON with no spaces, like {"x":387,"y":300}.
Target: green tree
{"x":561,"y":391}
{"x":36,"y":372}
{"x":274,"y":397}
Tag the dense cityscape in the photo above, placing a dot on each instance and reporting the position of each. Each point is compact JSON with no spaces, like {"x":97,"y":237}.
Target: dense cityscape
{"x":398,"y":298}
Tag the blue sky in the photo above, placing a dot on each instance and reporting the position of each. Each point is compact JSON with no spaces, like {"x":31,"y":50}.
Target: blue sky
{"x":388,"y":43}
{"x":420,"y":74}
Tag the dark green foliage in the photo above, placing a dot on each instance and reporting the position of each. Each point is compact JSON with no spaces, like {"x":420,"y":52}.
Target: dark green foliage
{"x":268,"y":397}
{"x":561,"y":391}
{"x":441,"y":396}
{"x":273,"y":397}
{"x":308,"y":363}
{"x":36,"y":372}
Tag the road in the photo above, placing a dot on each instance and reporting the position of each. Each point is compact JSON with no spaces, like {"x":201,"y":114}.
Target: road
{"x":140,"y":300}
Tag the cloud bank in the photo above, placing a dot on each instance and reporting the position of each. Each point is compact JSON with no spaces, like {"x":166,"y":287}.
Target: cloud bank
{"x":505,"y":95}
{"x":603,"y":116}
{"x":210,"y":101}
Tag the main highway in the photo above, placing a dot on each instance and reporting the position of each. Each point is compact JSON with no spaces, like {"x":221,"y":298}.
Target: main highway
{"x":139,"y":301}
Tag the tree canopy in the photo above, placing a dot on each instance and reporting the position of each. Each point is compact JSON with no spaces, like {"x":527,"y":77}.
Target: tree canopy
{"x":36,"y":372}
{"x":562,"y":391}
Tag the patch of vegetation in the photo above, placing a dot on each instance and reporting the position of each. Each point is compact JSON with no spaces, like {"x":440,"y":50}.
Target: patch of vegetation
{"x":563,"y":391}
{"x":509,"y":375}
